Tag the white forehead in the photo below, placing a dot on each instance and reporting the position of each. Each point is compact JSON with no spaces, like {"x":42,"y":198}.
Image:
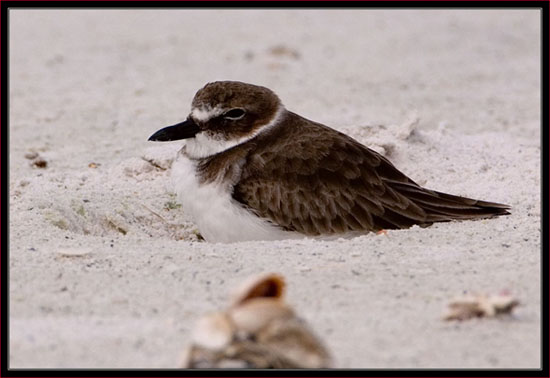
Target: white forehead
{"x":204,"y":114}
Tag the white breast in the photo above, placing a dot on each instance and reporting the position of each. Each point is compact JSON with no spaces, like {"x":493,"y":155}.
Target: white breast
{"x":218,"y":217}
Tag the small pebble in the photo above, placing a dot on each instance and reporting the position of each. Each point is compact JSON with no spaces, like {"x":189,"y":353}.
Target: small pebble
{"x":40,"y":163}
{"x":282,"y":50}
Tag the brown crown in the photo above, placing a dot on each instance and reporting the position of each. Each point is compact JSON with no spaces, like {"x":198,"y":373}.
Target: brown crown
{"x":259,"y":103}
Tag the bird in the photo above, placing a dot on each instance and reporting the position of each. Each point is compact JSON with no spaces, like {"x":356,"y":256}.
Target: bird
{"x":252,"y":170}
{"x":258,"y":330}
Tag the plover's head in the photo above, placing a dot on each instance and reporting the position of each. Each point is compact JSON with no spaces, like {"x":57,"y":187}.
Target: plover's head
{"x":224,"y":114}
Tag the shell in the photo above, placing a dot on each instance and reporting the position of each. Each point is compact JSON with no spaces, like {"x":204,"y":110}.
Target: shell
{"x":74,"y":252}
{"x":480,"y":305}
{"x":295,"y":343}
{"x":256,"y":313}
{"x":265,"y":285}
{"x":213,"y":331}
{"x":258,"y":330}
{"x":504,"y":303}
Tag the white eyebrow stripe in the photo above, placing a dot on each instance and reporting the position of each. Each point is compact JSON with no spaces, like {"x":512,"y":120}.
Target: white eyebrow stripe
{"x":204,"y":145}
{"x":204,"y":115}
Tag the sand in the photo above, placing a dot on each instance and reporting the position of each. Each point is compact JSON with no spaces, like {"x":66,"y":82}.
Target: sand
{"x":105,"y":270}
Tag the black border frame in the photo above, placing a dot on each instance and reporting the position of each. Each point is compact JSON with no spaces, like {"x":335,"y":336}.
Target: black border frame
{"x":4,"y":160}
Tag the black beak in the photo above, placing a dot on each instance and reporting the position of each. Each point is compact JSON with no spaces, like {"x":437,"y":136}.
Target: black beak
{"x":183,"y":130}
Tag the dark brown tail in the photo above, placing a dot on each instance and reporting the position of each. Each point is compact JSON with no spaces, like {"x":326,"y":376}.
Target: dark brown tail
{"x":441,"y":207}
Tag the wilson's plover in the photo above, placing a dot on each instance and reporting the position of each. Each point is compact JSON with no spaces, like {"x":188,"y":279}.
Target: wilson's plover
{"x":252,"y":170}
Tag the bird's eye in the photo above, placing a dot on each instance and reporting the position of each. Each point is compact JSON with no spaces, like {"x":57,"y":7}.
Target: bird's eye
{"x":234,"y":114}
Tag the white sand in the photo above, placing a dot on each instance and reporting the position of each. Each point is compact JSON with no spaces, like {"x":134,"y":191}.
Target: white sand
{"x":91,"y":86}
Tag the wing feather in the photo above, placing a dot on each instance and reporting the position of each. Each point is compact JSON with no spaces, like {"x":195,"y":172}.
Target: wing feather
{"x":319,"y":181}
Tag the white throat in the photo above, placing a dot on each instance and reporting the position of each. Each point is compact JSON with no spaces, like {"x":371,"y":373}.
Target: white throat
{"x":204,"y":145}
